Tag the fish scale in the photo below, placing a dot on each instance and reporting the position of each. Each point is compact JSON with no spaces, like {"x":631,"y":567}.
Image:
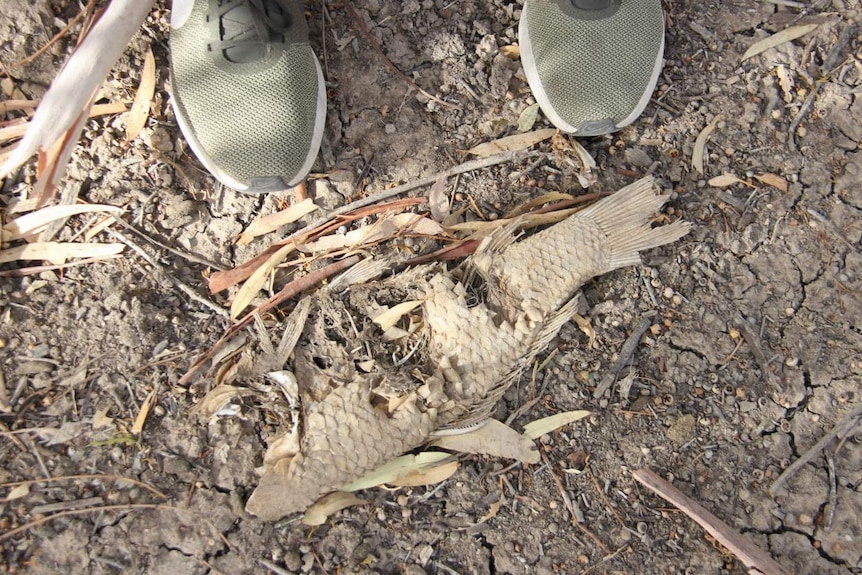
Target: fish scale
{"x":470,"y":353}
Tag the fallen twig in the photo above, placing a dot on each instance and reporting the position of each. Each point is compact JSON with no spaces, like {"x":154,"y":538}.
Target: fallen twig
{"x":841,"y":429}
{"x":290,"y":290}
{"x":87,"y":9}
{"x":626,"y":353}
{"x":568,"y":503}
{"x":105,"y":476}
{"x":21,"y":272}
{"x":223,"y":280}
{"x":363,"y":30}
{"x":750,"y":554}
{"x":163,"y":273}
{"x":470,"y":166}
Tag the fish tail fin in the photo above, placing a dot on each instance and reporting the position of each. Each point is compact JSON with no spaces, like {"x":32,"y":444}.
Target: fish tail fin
{"x":625,"y":218}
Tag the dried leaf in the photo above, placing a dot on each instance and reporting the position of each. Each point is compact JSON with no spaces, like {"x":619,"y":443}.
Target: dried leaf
{"x":5,"y":406}
{"x":545,"y":198}
{"x":512,"y":51}
{"x":586,"y":176}
{"x":258,"y":279}
{"x":58,"y":252}
{"x":430,"y":476}
{"x":493,"y":509}
{"x":390,"y":317}
{"x":35,"y":222}
{"x":141,"y":419}
{"x":384,"y":228}
{"x":274,"y":221}
{"x":512,"y":143}
{"x":540,"y":427}
{"x":786,"y":35}
{"x":18,"y":492}
{"x":438,"y":201}
{"x":773,"y":180}
{"x":786,"y":83}
{"x":217,"y":398}
{"x":494,"y":438}
{"x":396,"y":469}
{"x":725,"y":180}
{"x":527,"y":118}
{"x":700,"y":145}
{"x":79,"y":79}
{"x":101,"y":419}
{"x":585,"y":326}
{"x":141,"y":107}
{"x":328,"y":505}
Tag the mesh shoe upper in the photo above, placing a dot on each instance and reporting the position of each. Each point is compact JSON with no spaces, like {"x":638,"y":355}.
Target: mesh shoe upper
{"x":248,"y":91}
{"x":592,"y":71}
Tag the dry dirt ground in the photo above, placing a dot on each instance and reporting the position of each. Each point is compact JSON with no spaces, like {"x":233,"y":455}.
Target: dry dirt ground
{"x":752,"y":355}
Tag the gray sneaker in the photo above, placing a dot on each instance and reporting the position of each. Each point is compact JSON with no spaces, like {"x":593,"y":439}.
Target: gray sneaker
{"x":247,"y":90}
{"x":592,"y":64}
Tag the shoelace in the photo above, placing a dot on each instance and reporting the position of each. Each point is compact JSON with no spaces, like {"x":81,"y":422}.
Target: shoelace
{"x":268,"y":19}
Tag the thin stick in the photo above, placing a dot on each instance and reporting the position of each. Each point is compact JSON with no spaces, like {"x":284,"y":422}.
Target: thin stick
{"x":626,"y":353}
{"x":293,"y":288}
{"x":470,"y":166}
{"x":146,"y":486}
{"x":750,"y":554}
{"x":568,"y":503}
{"x":605,"y":497}
{"x":841,"y":429}
{"x":87,"y":9}
{"x":363,"y":30}
{"x":21,"y":272}
{"x":161,"y":271}
{"x":186,"y":256}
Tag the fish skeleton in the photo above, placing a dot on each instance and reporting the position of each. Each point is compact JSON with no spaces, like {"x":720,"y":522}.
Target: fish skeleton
{"x":474,"y":330}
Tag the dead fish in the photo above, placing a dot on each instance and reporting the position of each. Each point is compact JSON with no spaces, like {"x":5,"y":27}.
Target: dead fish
{"x":471,"y":334}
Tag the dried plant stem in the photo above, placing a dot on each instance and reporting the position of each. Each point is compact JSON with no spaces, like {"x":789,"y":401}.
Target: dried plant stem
{"x":105,"y":476}
{"x":363,"y":30}
{"x":841,"y":429}
{"x":293,"y":288}
{"x":470,"y":166}
{"x":750,"y":554}
{"x":87,"y":9}
{"x":568,"y":503}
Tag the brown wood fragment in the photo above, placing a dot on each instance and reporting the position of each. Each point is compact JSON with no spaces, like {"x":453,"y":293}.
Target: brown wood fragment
{"x":750,"y":554}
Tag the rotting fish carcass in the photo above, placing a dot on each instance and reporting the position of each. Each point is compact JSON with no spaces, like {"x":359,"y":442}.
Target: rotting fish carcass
{"x":472,"y":335}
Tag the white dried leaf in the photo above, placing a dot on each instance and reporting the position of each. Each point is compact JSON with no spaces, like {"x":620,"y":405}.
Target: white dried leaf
{"x":512,"y":143}
{"x":35,"y":222}
{"x":438,"y":201}
{"x":700,"y":145}
{"x":430,"y":476}
{"x":272,"y":222}
{"x":18,"y":492}
{"x":786,"y":35}
{"x":59,"y":252}
{"x":390,"y":317}
{"x":494,"y":438}
{"x":396,"y":469}
{"x":724,"y":180}
{"x":540,"y":427}
{"x":527,"y":118}
{"x":257,"y":280}
{"x":328,"y":505}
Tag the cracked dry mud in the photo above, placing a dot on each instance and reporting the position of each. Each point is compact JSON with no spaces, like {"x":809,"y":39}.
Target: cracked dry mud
{"x":753,"y":354}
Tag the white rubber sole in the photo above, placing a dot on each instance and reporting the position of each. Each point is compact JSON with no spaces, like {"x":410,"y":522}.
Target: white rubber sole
{"x":528,"y":61}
